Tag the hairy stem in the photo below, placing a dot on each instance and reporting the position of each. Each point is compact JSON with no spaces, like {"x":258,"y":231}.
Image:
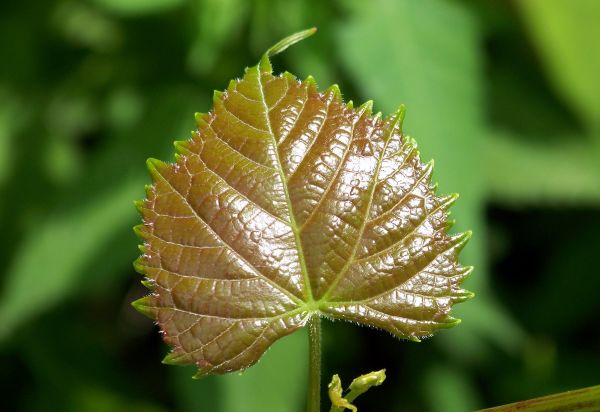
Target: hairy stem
{"x":314,"y":374}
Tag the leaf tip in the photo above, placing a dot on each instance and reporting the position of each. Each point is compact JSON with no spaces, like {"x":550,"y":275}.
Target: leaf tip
{"x":288,"y":41}
{"x":281,"y":45}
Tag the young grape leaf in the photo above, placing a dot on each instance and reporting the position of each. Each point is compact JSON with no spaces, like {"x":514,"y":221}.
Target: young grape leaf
{"x":288,"y":203}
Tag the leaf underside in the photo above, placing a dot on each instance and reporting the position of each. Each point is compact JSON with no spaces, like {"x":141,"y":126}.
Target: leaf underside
{"x":288,"y":203}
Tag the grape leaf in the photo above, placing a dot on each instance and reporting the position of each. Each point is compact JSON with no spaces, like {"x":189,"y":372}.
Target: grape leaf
{"x":288,"y":203}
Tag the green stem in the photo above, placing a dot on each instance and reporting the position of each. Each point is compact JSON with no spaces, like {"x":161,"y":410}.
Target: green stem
{"x":314,"y":374}
{"x":584,"y":400}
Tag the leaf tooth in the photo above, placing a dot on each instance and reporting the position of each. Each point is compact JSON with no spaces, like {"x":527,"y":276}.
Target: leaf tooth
{"x":428,"y":168}
{"x":448,"y":200}
{"x":334,"y":91}
{"x":173,"y":358}
{"x":201,"y":373}
{"x":411,"y":142}
{"x":201,"y":118}
{"x":148,"y":283}
{"x":138,"y":266}
{"x":310,"y":81}
{"x":449,"y":322}
{"x":460,"y":240}
{"x":182,"y":146}
{"x":155,"y":166}
{"x":377,"y":116}
{"x":468,"y":270}
{"x":400,"y":113}
{"x":218,"y":96}
{"x":145,"y":306}
{"x":140,"y":231}
{"x":149,"y":189}
{"x":289,"y":76}
{"x":140,"y":206}
{"x":232,"y":85}
{"x":397,"y":119}
{"x":462,"y":295}
{"x":142,"y":248}
{"x":366,"y":108}
{"x":350,"y":105}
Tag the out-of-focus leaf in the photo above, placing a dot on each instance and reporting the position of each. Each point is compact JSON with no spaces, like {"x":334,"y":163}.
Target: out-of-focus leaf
{"x":288,"y":203}
{"x":138,"y":7}
{"x":12,"y":114}
{"x":216,"y":21}
{"x":90,"y":398}
{"x":447,"y":388}
{"x":266,"y":387}
{"x":47,"y":266}
{"x":124,"y":108}
{"x":63,"y":161}
{"x":566,"y":34}
{"x":519,"y":171}
{"x":275,"y":18}
{"x":251,"y":390}
{"x":85,"y":25}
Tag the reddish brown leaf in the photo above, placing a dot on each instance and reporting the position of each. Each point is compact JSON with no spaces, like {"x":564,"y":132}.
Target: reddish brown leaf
{"x":288,"y":203}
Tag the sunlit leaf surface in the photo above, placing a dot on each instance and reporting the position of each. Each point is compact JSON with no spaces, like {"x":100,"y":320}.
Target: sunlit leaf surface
{"x":288,"y":203}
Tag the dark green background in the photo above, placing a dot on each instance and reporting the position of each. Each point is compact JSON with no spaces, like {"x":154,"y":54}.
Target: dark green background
{"x":505,"y":95}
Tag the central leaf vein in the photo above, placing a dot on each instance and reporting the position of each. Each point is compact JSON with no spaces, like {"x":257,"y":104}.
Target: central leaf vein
{"x":293,"y":224}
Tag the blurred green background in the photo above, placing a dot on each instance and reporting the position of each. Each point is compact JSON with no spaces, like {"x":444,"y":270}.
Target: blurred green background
{"x":505,"y":95}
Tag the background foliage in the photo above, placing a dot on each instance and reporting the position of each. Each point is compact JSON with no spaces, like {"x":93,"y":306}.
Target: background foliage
{"x":504,"y":95}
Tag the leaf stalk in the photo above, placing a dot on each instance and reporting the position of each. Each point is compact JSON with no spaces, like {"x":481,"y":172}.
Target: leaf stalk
{"x":314,"y":374}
